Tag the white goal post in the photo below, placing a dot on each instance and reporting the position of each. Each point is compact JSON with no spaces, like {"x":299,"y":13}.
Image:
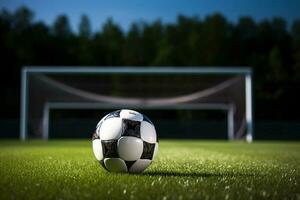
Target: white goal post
{"x":98,"y":101}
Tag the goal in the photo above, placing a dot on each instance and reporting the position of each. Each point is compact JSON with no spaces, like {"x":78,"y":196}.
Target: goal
{"x":174,"y":88}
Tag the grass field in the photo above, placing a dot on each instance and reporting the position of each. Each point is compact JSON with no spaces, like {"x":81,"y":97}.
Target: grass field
{"x":195,"y":169}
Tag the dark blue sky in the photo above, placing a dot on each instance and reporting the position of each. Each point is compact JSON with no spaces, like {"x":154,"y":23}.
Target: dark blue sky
{"x":126,"y":11}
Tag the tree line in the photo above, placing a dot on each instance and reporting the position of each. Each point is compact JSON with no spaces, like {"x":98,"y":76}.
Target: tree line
{"x":270,"y":46}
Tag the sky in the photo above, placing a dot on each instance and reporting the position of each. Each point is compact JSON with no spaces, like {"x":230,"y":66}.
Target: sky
{"x":124,"y":12}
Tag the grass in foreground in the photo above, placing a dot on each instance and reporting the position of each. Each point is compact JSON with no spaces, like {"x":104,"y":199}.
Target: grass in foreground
{"x":182,"y":170}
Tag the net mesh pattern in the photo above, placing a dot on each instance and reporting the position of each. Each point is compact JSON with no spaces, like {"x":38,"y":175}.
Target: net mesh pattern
{"x":135,"y":90}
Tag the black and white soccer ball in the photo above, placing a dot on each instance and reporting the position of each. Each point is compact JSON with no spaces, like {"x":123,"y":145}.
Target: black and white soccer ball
{"x":125,"y":141}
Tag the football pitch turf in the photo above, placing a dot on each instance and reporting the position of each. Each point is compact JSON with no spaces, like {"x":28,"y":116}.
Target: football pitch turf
{"x":183,"y":169}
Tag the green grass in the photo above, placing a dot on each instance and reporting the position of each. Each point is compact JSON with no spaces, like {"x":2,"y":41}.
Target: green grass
{"x":195,"y":169}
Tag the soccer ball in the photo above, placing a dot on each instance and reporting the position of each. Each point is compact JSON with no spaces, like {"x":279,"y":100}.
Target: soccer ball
{"x":125,"y":141}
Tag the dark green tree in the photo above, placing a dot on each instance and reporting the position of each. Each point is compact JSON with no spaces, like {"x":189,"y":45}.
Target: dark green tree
{"x":85,"y":27}
{"x":133,"y":50}
{"x":112,"y":39}
{"x":22,"y":19}
{"x":166,"y":54}
{"x":61,"y":27}
{"x":84,"y":40}
{"x":215,"y":40}
{"x":244,"y":42}
{"x":296,"y":47}
{"x":150,"y":40}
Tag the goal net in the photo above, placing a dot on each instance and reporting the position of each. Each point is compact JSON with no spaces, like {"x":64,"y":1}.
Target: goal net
{"x":45,"y":89}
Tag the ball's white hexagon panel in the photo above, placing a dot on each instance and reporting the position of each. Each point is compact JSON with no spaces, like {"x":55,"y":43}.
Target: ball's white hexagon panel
{"x":131,"y":114}
{"x":130,"y":148}
{"x":148,"y":132}
{"x":115,"y":165}
{"x":155,"y":150}
{"x":111,"y":129}
{"x":97,"y":149}
{"x":140,"y":165}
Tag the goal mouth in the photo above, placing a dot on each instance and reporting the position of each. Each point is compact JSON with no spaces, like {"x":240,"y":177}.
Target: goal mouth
{"x":194,"y":121}
{"x":192,"y":97}
{"x":224,"y":88}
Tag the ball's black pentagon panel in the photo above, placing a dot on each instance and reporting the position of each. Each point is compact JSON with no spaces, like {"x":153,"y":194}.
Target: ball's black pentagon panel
{"x":148,"y":150}
{"x":109,"y":148}
{"x":131,"y":128}
{"x":95,"y":136}
{"x":113,"y":114}
{"x":129,"y":164}
{"x":145,"y":118}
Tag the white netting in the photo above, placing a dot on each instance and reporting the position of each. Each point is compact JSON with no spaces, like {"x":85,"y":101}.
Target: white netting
{"x":134,"y":90}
